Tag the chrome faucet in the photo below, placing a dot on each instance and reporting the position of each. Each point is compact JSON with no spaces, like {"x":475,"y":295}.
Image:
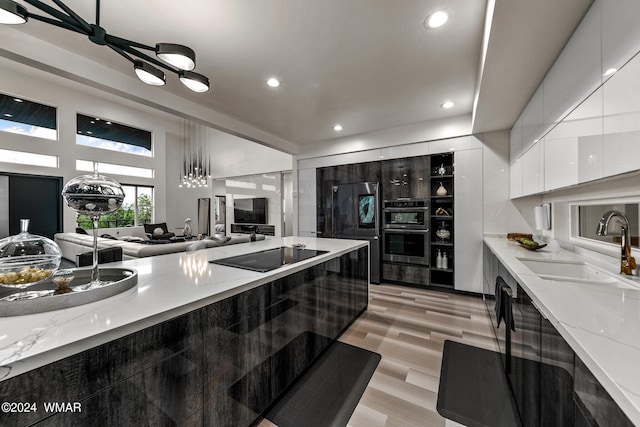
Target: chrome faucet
{"x":627,"y":262}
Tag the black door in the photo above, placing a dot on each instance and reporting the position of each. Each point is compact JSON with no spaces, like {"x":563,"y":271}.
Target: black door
{"x":36,"y":198}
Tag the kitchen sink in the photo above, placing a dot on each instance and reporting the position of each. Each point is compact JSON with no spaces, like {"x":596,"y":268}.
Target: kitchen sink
{"x":573,"y":271}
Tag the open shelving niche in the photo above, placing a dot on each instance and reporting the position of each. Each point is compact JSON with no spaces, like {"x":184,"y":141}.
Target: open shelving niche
{"x":442,"y":277}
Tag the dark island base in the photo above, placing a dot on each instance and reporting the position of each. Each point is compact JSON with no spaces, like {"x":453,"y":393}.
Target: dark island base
{"x":221,"y":365}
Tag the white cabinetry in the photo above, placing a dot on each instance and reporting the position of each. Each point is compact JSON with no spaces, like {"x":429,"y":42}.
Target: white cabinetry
{"x":468,"y":220}
{"x":577,"y":71}
{"x":594,"y":116}
{"x":307,"y":202}
{"x":515,"y":179}
{"x":533,"y":169}
{"x":622,"y":120}
{"x":515,"y":141}
{"x":620,"y":33}
{"x":533,"y":120}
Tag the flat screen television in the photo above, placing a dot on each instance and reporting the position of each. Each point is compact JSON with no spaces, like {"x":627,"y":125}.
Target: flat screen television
{"x":250,"y":211}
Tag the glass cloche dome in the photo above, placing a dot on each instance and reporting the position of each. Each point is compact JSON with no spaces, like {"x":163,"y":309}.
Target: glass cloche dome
{"x":27,"y":259}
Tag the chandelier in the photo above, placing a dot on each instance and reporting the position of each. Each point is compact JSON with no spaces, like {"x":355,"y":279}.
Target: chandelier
{"x":176,"y":58}
{"x":196,"y":159}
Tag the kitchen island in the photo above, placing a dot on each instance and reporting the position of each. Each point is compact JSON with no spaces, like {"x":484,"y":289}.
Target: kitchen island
{"x":195,"y":343}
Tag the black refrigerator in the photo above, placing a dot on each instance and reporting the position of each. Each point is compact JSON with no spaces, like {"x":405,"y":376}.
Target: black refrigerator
{"x":356,"y":216}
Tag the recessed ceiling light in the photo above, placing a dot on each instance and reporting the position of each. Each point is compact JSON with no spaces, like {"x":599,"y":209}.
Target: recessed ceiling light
{"x":447,"y":104}
{"x":17,"y":99}
{"x":436,"y":19}
{"x":273,"y":82}
{"x":337,"y":128}
{"x":609,"y":72}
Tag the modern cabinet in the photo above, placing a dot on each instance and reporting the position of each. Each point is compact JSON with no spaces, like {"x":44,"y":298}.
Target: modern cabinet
{"x":621,"y":99}
{"x":533,"y":120}
{"x":590,"y":106}
{"x":576,"y":71}
{"x":551,"y":385}
{"x":396,"y":179}
{"x":533,"y":169}
{"x":515,"y":179}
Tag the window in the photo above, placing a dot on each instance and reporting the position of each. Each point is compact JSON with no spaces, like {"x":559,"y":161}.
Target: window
{"x":588,"y":217}
{"x":137,"y":209}
{"x":24,"y":158}
{"x":108,"y":135}
{"x":110,"y":168}
{"x":18,"y":115}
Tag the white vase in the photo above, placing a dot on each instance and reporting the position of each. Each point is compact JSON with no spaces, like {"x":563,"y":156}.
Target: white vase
{"x":186,"y":231}
{"x":441,"y":191}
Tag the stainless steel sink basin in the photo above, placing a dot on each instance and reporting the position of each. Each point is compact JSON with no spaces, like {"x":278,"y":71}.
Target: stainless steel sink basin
{"x":573,"y":271}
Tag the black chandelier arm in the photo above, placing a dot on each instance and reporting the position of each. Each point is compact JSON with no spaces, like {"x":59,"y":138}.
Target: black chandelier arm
{"x":124,"y":42}
{"x":84,"y":24}
{"x":60,"y":24}
{"x":56,"y":14}
{"x":147,"y":58}
{"x":121,"y":53}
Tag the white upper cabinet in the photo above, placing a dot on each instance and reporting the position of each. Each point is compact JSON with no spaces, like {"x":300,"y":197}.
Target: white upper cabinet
{"x":561,"y":156}
{"x":533,"y":169}
{"x":620,"y":33}
{"x":622,"y":120}
{"x":577,"y":71}
{"x":515,"y":179}
{"x":533,"y":120}
{"x":515,"y":141}
{"x":587,"y":126}
{"x":590,"y":103}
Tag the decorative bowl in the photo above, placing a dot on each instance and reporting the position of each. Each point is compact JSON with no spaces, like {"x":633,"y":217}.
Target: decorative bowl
{"x":443,"y":233}
{"x":27,"y":259}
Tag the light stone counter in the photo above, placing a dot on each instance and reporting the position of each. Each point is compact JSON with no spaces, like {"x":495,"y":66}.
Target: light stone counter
{"x":168,"y":286}
{"x":601,"y":323}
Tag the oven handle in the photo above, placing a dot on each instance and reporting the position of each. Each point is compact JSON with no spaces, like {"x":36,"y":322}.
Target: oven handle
{"x":405,"y":231}
{"x":421,"y":208}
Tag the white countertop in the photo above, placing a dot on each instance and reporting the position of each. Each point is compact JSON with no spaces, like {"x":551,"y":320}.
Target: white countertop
{"x":168,"y":286}
{"x":601,"y":323}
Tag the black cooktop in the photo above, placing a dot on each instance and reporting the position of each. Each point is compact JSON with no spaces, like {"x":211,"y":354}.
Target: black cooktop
{"x":268,"y":260}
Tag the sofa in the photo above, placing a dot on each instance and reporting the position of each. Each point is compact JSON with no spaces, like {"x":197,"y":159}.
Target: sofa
{"x":136,"y":244}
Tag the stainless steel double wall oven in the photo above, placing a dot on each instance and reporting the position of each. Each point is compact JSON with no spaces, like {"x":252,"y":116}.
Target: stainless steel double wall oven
{"x":405,"y":234}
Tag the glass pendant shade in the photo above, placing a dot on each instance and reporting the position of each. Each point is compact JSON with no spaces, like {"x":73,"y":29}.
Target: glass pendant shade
{"x":179,"y":56}
{"x":93,"y":195}
{"x":194,"y":81}
{"x":12,"y":13}
{"x":149,"y":74}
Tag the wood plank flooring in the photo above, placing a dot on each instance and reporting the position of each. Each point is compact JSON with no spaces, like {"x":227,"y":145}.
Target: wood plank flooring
{"x":408,"y":327}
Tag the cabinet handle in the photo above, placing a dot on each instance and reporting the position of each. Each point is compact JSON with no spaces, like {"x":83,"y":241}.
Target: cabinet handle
{"x":539,"y":311}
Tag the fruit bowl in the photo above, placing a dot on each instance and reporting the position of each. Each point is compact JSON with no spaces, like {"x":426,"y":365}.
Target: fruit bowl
{"x":530,"y":244}
{"x":27,"y":259}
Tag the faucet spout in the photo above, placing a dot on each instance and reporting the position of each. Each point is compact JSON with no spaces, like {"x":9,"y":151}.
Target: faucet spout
{"x":627,"y":262}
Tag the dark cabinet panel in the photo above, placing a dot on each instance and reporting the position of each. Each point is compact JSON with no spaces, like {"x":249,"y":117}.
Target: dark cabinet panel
{"x":419,"y":177}
{"x":405,"y":273}
{"x":594,"y":406}
{"x":395,"y":179}
{"x":368,"y":172}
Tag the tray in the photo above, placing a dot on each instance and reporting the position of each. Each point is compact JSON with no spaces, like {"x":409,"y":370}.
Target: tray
{"x":41,"y":299}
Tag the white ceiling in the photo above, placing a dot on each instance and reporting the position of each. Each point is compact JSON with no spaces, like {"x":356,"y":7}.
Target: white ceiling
{"x":367,"y":64}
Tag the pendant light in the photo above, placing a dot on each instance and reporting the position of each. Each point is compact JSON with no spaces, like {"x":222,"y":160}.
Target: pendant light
{"x":176,"y":58}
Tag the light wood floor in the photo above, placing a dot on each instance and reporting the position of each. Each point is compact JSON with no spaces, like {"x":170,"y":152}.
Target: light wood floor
{"x":407,"y":327}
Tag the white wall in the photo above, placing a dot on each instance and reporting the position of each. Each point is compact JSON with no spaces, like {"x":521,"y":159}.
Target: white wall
{"x":71,"y":98}
{"x":502,"y":215}
{"x":233,"y":156}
